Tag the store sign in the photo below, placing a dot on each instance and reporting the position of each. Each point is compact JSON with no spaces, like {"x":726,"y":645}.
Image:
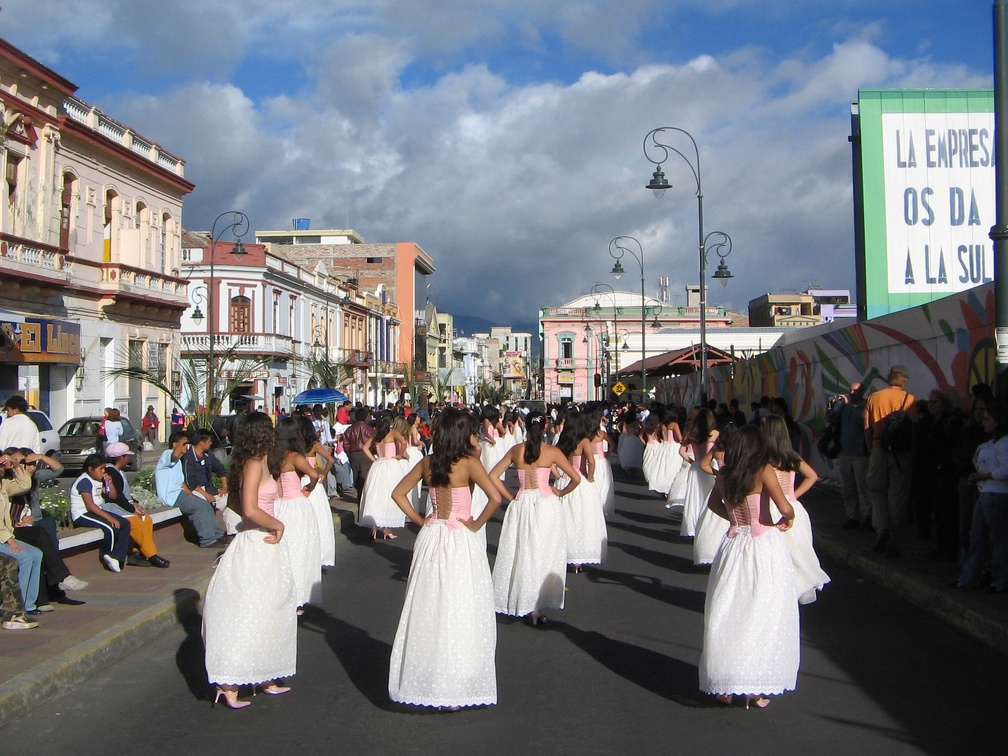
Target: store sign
{"x":565,"y":379}
{"x":38,"y":341}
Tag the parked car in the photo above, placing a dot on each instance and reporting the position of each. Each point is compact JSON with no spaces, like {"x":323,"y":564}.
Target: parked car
{"x":79,"y":439}
{"x":50,"y":438}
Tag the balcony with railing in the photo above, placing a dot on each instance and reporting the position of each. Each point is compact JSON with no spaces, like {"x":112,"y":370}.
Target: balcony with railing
{"x":31,"y":260}
{"x":126,"y":282}
{"x":94,"y":119}
{"x":356,"y":358}
{"x":251,"y":344}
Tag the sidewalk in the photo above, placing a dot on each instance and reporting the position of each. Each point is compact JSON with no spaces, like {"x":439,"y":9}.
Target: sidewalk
{"x":122,"y":612}
{"x":914,"y":576}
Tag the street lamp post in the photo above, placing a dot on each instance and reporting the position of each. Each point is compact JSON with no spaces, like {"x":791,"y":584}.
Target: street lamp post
{"x":237,"y":223}
{"x":658,"y":152}
{"x":617,"y":248}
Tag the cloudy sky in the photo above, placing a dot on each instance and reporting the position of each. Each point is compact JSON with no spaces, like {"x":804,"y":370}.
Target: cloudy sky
{"x":505,"y":136}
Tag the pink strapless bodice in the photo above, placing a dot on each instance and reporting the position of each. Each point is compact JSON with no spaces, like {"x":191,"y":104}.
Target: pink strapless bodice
{"x":753,"y":513}
{"x":600,"y":449}
{"x":653,"y":439}
{"x":290,"y":485}
{"x":786,"y":480}
{"x":387,"y":450}
{"x":536,"y":478}
{"x":491,"y":432}
{"x":267,"y":495}
{"x":459,"y":507}
{"x":700,"y":450}
{"x":669,"y":435}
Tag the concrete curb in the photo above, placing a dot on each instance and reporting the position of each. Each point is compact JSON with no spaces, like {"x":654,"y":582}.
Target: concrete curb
{"x":921,"y":594}
{"x":22,"y":693}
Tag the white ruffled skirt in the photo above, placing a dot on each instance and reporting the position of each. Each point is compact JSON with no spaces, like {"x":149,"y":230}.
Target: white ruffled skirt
{"x":751,"y":639}
{"x":698,"y":487}
{"x":809,"y":575}
{"x":584,"y":522}
{"x":531,"y":567}
{"x":319,"y":501}
{"x":605,"y":484}
{"x":445,"y":644}
{"x":249,"y":614}
{"x":303,"y":544}
{"x":377,"y":509}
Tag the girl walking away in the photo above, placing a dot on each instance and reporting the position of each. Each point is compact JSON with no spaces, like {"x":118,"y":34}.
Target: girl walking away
{"x":652,"y":435}
{"x":667,"y":462}
{"x":809,"y":576}
{"x":750,"y":641}
{"x":601,"y":444}
{"x":492,"y":444}
{"x":702,"y":435}
{"x":711,"y":528}
{"x":317,"y":498}
{"x":249,"y":621}
{"x":531,"y":566}
{"x":288,"y":464}
{"x":386,"y":451}
{"x":444,"y":647}
{"x":584,"y":520}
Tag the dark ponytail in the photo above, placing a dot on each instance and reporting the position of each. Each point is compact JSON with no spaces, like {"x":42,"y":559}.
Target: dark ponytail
{"x":535,"y":425}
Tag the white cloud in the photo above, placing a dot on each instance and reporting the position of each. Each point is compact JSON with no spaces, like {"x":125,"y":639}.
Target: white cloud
{"x":515,"y":185}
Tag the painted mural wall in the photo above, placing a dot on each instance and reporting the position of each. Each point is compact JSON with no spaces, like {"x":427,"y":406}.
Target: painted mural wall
{"x":947,"y":344}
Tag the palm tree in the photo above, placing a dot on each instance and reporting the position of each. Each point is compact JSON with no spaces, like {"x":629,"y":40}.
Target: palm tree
{"x":197,"y":376}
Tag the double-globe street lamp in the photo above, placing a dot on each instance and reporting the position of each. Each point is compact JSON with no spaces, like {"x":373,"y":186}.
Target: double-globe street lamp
{"x":657,"y":152}
{"x":237,"y":223}
{"x":618,"y":247}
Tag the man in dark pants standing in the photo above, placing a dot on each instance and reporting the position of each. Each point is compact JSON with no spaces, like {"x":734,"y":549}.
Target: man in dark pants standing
{"x":355,"y":440}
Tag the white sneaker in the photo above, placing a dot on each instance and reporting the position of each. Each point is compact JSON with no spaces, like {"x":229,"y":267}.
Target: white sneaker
{"x":73,"y":584}
{"x":112,"y":563}
{"x":44,"y":608}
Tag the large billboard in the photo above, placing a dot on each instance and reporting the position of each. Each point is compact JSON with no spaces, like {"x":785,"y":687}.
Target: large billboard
{"x":513,"y":366}
{"x":924,"y":194}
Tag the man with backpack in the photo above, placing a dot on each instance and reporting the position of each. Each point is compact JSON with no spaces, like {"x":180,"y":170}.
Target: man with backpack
{"x":889,"y":435}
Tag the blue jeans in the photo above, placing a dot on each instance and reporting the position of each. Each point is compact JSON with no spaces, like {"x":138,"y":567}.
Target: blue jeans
{"x":990,"y":523}
{"x":29,"y":571}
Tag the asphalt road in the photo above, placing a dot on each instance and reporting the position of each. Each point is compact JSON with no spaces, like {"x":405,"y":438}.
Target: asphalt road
{"x":615,"y":671}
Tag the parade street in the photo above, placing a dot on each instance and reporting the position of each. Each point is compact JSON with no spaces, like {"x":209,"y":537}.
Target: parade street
{"x":614,"y":672}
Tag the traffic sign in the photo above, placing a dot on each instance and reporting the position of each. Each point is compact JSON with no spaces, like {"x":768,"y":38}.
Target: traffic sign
{"x":618,"y":388}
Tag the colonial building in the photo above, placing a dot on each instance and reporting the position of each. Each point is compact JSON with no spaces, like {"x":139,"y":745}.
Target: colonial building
{"x":89,"y":249}
{"x":809,"y":308}
{"x":391,"y":269}
{"x":249,"y":301}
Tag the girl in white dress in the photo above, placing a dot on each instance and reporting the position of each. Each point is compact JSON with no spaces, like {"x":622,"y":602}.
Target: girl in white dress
{"x":386,"y":451}
{"x":651,"y":435}
{"x":601,"y":444}
{"x":667,"y":460}
{"x":584,"y":520}
{"x":492,"y":444}
{"x":444,"y":647}
{"x":249,"y":624}
{"x":702,"y":435}
{"x":294,"y":509}
{"x":751,"y":644}
{"x":318,"y":498}
{"x":809,"y":575}
{"x":531,"y":567}
{"x":411,"y":432}
{"x":710,"y":528}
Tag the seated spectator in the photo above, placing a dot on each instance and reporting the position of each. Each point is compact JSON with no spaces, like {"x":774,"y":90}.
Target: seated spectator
{"x":55,"y":574}
{"x":12,"y":608}
{"x":199,"y":465}
{"x":178,"y":421}
{"x":47,"y":470}
{"x":169,"y":479}
{"x":87,"y":495}
{"x":119,"y":502}
{"x":15,"y":481}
